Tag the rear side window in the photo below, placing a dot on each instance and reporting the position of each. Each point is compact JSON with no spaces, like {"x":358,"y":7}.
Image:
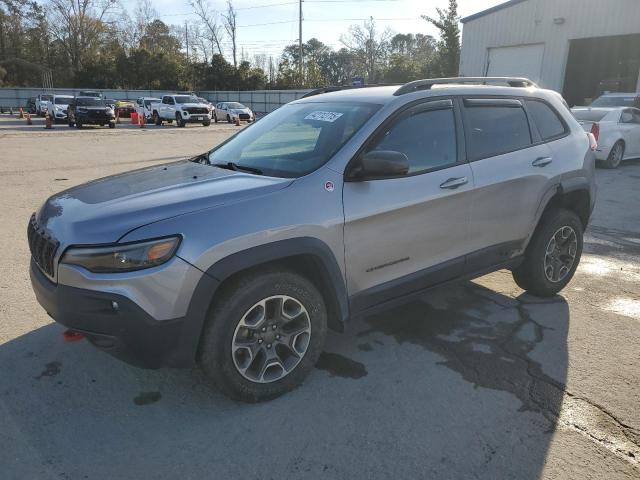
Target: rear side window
{"x":547,"y":121}
{"x":493,"y":130}
{"x":427,"y":138}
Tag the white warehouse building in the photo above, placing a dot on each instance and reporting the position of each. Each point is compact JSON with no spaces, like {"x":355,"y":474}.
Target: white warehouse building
{"x":580,"y":48}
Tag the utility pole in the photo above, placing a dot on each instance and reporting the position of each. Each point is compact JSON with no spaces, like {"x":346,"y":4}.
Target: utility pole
{"x":186,"y":37}
{"x":300,"y":42}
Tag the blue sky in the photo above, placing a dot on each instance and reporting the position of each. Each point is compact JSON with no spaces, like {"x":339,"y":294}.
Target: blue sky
{"x":323,"y":19}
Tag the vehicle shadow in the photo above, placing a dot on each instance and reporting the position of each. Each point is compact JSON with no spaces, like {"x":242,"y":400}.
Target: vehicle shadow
{"x":460,"y":382}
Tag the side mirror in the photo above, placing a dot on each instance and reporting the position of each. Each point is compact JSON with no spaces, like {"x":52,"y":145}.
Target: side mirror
{"x":380,"y":164}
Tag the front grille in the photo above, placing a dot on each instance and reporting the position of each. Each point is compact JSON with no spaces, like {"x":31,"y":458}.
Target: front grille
{"x":43,"y":247}
{"x":244,"y":116}
{"x":97,"y":114}
{"x":197,"y":110}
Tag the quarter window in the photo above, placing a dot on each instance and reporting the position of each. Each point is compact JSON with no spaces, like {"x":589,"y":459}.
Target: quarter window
{"x":547,"y":121}
{"x":494,"y":130}
{"x":427,"y":138}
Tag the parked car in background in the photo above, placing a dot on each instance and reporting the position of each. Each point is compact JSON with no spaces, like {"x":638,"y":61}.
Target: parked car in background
{"x":31,"y":105}
{"x":42,"y":103}
{"x":181,"y":108}
{"x":90,"y":111}
{"x":90,"y":93}
{"x":144,"y":107}
{"x":229,"y":111}
{"x":241,"y":258}
{"x":209,"y":104}
{"x":609,"y":100}
{"x":617,"y":131}
{"x":124,"y":108}
{"x":59,"y":107}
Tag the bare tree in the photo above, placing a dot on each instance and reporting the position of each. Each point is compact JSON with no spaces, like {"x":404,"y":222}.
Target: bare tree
{"x":230,"y":27}
{"x":78,"y":25}
{"x":209,"y":17}
{"x":369,"y":47}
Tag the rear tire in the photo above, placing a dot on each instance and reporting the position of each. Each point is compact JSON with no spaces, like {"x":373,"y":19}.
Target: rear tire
{"x":112,"y":124}
{"x":215,"y":118}
{"x":228,"y":119}
{"x":615,"y":156}
{"x":553,"y":254}
{"x":78,"y":125}
{"x":263,"y":367}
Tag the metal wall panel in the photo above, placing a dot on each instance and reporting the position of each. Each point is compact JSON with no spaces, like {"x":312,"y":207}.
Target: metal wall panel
{"x":551,"y":22}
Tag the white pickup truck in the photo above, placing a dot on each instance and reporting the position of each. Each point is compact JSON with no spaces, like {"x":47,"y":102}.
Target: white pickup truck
{"x":181,"y":108}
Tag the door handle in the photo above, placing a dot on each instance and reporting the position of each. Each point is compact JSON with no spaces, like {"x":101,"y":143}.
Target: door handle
{"x":453,"y":183}
{"x":542,"y":161}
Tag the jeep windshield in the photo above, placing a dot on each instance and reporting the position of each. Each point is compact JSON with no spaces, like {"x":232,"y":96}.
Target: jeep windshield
{"x":186,"y":99}
{"x":294,"y":140}
{"x":89,"y":102}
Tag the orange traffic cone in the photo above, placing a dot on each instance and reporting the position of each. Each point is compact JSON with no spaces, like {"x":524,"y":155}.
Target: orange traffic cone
{"x":47,"y":121}
{"x":237,"y":121}
{"x":29,"y":122}
{"x":21,"y":113}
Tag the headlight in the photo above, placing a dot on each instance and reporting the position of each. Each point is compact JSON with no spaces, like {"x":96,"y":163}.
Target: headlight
{"x":123,"y":258}
{"x":109,"y":110}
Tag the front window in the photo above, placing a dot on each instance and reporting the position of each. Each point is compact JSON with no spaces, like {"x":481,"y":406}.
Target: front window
{"x":613,"y":101}
{"x":89,"y":102}
{"x":236,"y":106}
{"x":186,"y":99}
{"x":63,"y":100}
{"x":295,"y":139}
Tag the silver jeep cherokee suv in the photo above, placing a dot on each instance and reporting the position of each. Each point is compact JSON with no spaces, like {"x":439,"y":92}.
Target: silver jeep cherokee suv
{"x":331,"y":206}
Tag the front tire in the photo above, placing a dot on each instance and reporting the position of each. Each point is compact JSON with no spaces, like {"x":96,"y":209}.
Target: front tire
{"x":615,"y":156}
{"x":553,"y":254}
{"x":206,"y":123}
{"x":179,"y":121}
{"x":264,"y":335}
{"x":156,"y":119}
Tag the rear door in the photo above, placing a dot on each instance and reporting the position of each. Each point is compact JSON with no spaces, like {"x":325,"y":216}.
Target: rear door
{"x":512,"y":169}
{"x":405,"y":232}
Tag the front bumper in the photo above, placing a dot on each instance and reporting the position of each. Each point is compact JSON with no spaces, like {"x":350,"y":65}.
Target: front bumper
{"x":196,"y":117}
{"x":126,"y":332}
{"x":95,"y":120}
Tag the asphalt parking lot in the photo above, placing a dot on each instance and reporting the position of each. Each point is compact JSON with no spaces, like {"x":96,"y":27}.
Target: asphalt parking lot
{"x":473,"y":381}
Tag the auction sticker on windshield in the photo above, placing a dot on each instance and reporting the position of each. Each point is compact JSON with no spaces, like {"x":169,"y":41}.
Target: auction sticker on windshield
{"x":323,"y":116}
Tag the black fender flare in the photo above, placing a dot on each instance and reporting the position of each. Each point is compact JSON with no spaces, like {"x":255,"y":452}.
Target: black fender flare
{"x":204,"y":293}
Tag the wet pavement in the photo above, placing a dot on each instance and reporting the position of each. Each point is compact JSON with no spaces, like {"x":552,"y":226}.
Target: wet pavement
{"x":476,"y":380}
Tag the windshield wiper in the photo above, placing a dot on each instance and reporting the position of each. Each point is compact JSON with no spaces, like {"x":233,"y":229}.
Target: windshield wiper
{"x":235,"y":167}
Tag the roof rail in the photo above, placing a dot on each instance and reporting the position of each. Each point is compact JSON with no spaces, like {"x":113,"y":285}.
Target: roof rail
{"x":336,"y":88}
{"x":428,"y":83}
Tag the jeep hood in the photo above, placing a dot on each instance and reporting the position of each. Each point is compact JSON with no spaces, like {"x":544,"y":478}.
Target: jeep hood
{"x":104,"y":210}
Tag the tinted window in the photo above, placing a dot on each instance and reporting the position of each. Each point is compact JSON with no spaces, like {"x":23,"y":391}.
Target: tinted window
{"x":613,"y":101}
{"x":427,"y":138}
{"x":496,"y":130}
{"x":89,"y":102}
{"x":186,"y":99}
{"x":547,"y":121}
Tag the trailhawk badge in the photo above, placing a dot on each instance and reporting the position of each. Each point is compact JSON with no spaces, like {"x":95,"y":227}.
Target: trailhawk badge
{"x":329,"y":186}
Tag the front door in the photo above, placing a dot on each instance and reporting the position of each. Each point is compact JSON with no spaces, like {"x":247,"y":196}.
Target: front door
{"x":407,"y":232}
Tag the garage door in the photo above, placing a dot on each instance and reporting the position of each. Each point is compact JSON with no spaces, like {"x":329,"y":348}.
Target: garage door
{"x":520,"y":61}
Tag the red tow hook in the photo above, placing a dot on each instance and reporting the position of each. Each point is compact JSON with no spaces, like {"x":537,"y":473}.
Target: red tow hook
{"x":72,"y":336}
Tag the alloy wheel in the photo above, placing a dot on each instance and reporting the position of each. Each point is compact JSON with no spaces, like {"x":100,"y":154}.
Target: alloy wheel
{"x":271,"y":339}
{"x":560,"y":254}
